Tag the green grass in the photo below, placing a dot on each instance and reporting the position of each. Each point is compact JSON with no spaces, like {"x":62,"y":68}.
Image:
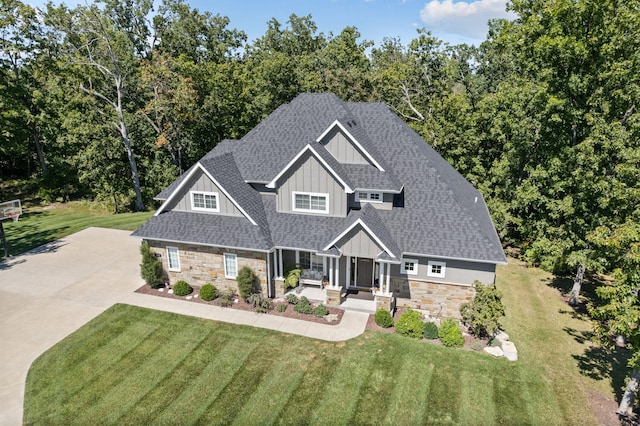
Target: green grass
{"x":137,"y":366}
{"x":40,"y":225}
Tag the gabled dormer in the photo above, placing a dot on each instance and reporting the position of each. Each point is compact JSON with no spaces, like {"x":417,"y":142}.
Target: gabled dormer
{"x":341,"y":141}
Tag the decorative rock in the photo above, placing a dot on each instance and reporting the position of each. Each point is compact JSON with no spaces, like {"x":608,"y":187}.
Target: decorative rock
{"x":502,"y":336}
{"x":170,"y":291}
{"x":494,"y":350}
{"x":188,"y":297}
{"x":161,"y":289}
{"x":510,"y":351}
{"x":195,"y":296}
{"x":331,"y":317}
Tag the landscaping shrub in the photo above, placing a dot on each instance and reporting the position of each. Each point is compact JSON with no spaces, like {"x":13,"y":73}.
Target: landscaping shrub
{"x":450,"y":334}
{"x":246,"y":282}
{"x":482,"y":315}
{"x":208,"y":292}
{"x":181,"y":288}
{"x":261,"y":303}
{"x":150,"y":268}
{"x":477,"y":345}
{"x":410,"y":324}
{"x":430,"y":331}
{"x":226,"y":298}
{"x":282,"y":307}
{"x":304,"y":306}
{"x":292,"y":299}
{"x":320,"y":311}
{"x":383,"y":318}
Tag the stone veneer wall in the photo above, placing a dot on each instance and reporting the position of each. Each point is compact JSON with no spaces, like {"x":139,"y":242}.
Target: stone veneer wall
{"x":439,"y":299}
{"x":200,"y":265}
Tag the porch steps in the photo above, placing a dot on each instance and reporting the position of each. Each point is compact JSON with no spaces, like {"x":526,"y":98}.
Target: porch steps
{"x":358,"y":305}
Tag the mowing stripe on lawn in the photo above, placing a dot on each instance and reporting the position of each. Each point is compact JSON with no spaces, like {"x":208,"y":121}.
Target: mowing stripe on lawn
{"x":320,"y":363}
{"x":342,"y":393}
{"x":443,"y":399}
{"x":476,"y":401}
{"x":188,"y":406}
{"x":272,"y":393}
{"x":240,"y":386}
{"x":374,"y":398}
{"x":408,"y":401}
{"x":177,"y":381}
{"x":120,"y":398}
{"x":508,"y":394}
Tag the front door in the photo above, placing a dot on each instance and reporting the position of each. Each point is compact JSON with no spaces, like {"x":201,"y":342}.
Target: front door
{"x":364,"y":272}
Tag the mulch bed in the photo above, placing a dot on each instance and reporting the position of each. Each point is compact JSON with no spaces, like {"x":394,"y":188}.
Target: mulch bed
{"x":242,"y":305}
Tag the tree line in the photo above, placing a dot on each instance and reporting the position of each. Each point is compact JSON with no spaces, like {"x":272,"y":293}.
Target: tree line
{"x":112,"y":100}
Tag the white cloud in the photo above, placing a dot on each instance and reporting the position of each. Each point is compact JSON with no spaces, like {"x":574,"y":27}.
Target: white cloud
{"x":468,"y":20}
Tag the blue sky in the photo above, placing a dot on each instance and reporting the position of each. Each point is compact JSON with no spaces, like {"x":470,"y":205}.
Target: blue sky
{"x":454,"y":21}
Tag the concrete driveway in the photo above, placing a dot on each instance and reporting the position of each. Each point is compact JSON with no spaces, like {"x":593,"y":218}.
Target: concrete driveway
{"x":50,"y":292}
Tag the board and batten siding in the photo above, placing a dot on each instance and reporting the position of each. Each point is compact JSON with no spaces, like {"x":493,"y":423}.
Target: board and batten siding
{"x":457,"y":271}
{"x":309,"y":175}
{"x":342,"y":149}
{"x":201,"y":182}
{"x":358,"y":243}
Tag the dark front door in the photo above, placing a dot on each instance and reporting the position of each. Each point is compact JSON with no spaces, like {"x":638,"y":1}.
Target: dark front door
{"x":364,"y":272}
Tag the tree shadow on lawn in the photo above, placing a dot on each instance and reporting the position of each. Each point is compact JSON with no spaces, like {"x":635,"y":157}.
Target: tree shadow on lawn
{"x":600,"y":363}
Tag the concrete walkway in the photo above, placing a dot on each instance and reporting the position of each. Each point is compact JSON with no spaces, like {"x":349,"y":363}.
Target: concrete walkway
{"x":48,"y":293}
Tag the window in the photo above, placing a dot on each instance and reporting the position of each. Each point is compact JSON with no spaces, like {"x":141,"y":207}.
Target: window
{"x":310,"y":202}
{"x":173,"y":258}
{"x":409,"y":266}
{"x":230,"y":265}
{"x":374,"y":197}
{"x":436,"y":269}
{"x":207,"y":201}
{"x":311,"y":261}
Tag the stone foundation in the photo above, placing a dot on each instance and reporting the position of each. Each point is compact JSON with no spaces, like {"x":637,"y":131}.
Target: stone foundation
{"x":384,"y":302}
{"x":334,"y":296}
{"x":439,"y":299}
{"x":200,"y":265}
{"x":280,"y":287}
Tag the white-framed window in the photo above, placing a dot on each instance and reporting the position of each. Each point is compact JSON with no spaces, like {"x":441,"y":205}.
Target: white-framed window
{"x":436,"y":269}
{"x":409,"y":266}
{"x":205,"y":201}
{"x":310,"y":202}
{"x":173,"y":258}
{"x":230,"y":265}
{"x":311,"y":261}
{"x":372,"y":197}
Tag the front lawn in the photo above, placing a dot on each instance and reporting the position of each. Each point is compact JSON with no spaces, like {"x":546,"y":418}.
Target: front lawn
{"x":137,"y":366}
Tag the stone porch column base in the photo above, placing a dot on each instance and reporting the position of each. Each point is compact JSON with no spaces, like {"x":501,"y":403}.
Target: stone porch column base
{"x":334,"y":295}
{"x":385,"y":301}
{"x":279,"y":287}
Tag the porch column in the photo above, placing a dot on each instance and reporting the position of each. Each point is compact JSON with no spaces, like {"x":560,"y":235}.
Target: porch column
{"x":269,"y":278}
{"x":388,"y":278}
{"x":373,"y":274}
{"x":331,"y":271}
{"x":381,"y":276}
{"x":337,"y":271}
{"x":325,"y":271}
{"x":297,"y":258}
{"x":348,"y":271}
{"x":281,"y":270}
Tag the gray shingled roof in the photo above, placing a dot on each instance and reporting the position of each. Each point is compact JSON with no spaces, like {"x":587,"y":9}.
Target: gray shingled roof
{"x":443,"y":214}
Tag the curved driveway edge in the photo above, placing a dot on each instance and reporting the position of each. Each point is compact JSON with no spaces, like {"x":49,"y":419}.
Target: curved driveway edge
{"x":49,"y":292}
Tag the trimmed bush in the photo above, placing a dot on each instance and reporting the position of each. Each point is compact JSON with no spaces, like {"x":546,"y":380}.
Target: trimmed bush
{"x":181,"y":288}
{"x":320,"y":311}
{"x":482,"y":315}
{"x":150,"y":268}
{"x":303,"y":306}
{"x":208,"y":292}
{"x":261,"y":303}
{"x":383,"y":318}
{"x":282,"y":307}
{"x":430,"y":331}
{"x":247,"y":281}
{"x":450,"y":334}
{"x":292,"y":299}
{"x":477,"y":345}
{"x":410,"y":324}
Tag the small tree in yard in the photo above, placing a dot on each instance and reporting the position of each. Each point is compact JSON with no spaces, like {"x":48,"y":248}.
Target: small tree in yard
{"x":246,"y":282}
{"x":150,"y":268}
{"x":482,"y":315}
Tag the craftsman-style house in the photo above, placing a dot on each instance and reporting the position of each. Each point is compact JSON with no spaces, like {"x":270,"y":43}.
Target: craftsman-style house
{"x":348,"y":192}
